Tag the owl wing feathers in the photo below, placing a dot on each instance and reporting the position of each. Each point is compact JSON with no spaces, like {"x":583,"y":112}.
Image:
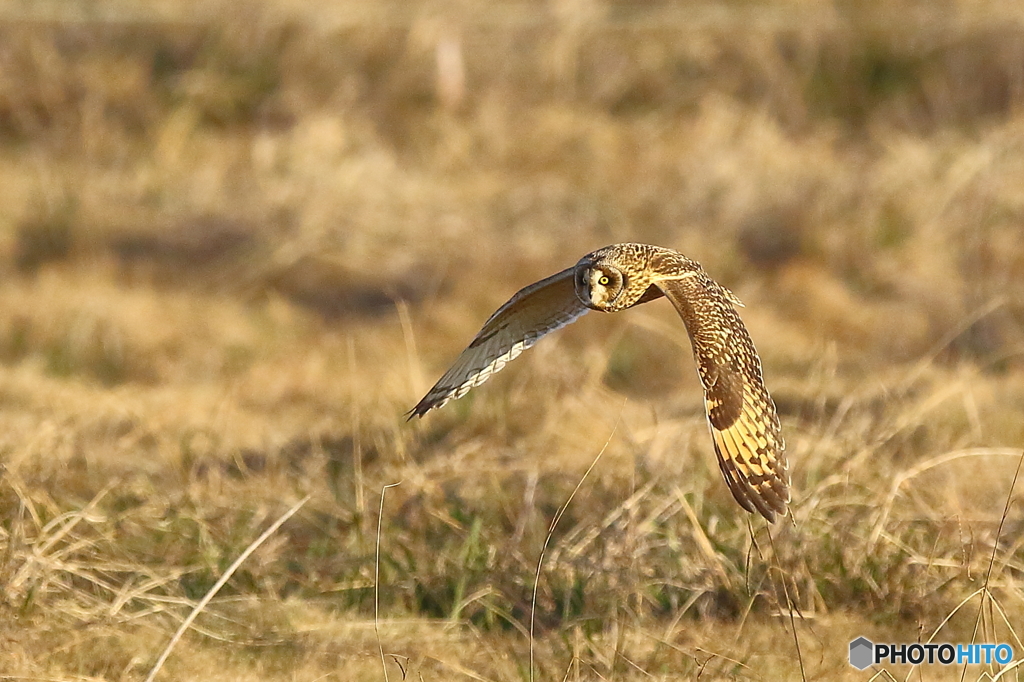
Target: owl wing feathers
{"x":534,"y":311}
{"x":741,"y":415}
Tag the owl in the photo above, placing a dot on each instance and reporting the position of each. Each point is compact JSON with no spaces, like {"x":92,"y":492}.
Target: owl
{"x":741,"y":416}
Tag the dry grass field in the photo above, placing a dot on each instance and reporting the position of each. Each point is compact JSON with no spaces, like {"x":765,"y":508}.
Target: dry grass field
{"x":238,"y":241}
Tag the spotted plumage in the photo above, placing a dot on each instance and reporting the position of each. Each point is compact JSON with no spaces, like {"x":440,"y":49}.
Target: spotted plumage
{"x":741,"y":416}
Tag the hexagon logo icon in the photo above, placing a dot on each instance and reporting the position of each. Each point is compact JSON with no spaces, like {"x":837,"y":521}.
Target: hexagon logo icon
{"x":861,"y":653}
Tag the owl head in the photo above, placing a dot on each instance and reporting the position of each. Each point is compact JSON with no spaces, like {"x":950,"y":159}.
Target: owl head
{"x":610,"y":280}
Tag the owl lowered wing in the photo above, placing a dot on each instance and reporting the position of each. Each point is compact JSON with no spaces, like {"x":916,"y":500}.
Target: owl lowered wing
{"x":741,"y":415}
{"x":534,"y":311}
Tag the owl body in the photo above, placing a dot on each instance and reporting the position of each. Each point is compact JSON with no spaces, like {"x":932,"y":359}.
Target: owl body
{"x":742,"y":418}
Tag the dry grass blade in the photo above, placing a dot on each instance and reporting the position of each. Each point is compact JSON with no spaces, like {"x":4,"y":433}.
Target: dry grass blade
{"x":790,"y":607}
{"x":47,"y":540}
{"x":985,"y":594}
{"x":1010,"y":667}
{"x":928,"y":359}
{"x":376,"y":580}
{"x":882,"y":674}
{"x":949,"y":616}
{"x":710,"y":555}
{"x":1007,"y":623}
{"x":220,"y":583}
{"x":551,"y":530}
{"x":412,"y":355}
{"x":909,"y":474}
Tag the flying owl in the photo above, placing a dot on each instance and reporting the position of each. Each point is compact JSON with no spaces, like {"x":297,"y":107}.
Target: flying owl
{"x":744,"y":425}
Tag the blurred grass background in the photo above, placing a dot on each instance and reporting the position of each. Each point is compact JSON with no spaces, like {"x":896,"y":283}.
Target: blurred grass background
{"x":239,"y":240}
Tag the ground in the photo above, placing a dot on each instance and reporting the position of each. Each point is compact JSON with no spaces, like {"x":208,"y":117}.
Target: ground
{"x":238,"y":242}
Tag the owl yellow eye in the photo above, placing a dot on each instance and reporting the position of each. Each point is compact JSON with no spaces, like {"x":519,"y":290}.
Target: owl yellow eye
{"x":604,"y":280}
